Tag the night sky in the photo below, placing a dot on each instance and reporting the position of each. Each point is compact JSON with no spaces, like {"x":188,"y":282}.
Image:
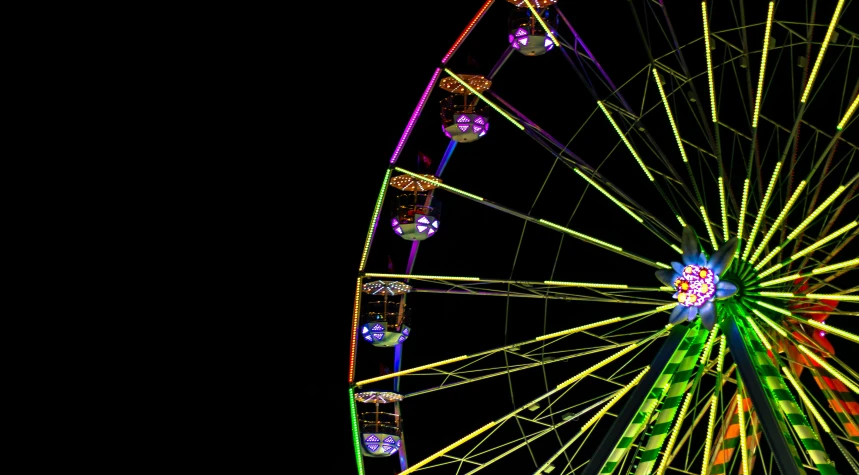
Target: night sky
{"x":390,"y":55}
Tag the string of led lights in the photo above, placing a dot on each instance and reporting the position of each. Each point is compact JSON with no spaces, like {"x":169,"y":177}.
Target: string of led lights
{"x":664,"y":375}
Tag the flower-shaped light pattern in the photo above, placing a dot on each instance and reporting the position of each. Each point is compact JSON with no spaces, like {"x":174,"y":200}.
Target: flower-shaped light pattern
{"x":696,"y":280}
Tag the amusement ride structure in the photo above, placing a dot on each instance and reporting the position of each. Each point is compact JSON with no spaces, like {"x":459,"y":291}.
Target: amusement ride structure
{"x":685,"y":291}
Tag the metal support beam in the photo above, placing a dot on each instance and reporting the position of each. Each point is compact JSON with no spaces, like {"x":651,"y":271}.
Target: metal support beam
{"x":632,"y":406}
{"x":757,"y":392}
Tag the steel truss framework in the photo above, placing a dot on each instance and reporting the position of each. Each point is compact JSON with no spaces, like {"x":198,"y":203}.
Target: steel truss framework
{"x":678,"y":398}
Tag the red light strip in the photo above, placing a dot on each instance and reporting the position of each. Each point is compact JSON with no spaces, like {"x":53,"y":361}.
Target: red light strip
{"x":354,"y":332}
{"x":467,"y":31}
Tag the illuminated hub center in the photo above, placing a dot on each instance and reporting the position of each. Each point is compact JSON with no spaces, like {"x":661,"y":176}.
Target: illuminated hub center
{"x":696,"y":286}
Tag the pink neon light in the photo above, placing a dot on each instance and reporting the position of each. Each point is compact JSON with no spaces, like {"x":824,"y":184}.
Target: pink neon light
{"x":414,"y":117}
{"x":466,"y":31}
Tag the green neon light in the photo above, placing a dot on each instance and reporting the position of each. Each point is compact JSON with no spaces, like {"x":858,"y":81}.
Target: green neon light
{"x":773,"y":308}
{"x":828,"y":201}
{"x":709,"y":229}
{"x":626,"y":142}
{"x":763,"y":66}
{"x":439,"y":184}
{"x":743,"y":209}
{"x":726,"y":234}
{"x":849,"y":113}
{"x":762,"y":211}
{"x":670,"y":117}
{"x":608,"y":195}
{"x":474,"y":91}
{"x":777,"y":222}
{"x":580,"y":235}
{"x":542,"y":23}
{"x":376,"y":211}
{"x":356,"y":433}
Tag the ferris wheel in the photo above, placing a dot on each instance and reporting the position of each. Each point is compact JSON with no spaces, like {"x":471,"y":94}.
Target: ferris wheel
{"x":681,"y":285}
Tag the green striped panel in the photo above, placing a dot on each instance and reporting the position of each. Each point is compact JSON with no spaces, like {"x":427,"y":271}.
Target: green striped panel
{"x":673,"y":399}
{"x":650,"y":402}
{"x":783,"y":399}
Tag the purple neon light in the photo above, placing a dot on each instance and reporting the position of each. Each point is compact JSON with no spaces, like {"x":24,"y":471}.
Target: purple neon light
{"x":516,"y":45}
{"x":398,"y":443}
{"x":372,"y":438}
{"x":479,"y":120}
{"x":415,"y":116}
{"x":435,"y":224}
{"x":423,"y":220}
{"x":394,"y":222}
{"x":364,"y":330}
{"x":388,"y":449}
{"x":462,"y":127}
{"x":523,"y":41}
{"x":401,"y":339}
{"x":477,"y":129}
{"x":378,"y":336}
{"x":406,"y":331}
{"x":462,"y":119}
{"x":421,"y":228}
{"x":547,"y":42}
{"x":368,"y":338}
{"x":509,"y":38}
{"x":378,"y":327}
{"x":398,"y":230}
{"x":372,"y":447}
{"x":388,"y":440}
{"x":590,"y":55}
{"x":430,"y":232}
{"x":521,"y":32}
{"x":481,"y":134}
